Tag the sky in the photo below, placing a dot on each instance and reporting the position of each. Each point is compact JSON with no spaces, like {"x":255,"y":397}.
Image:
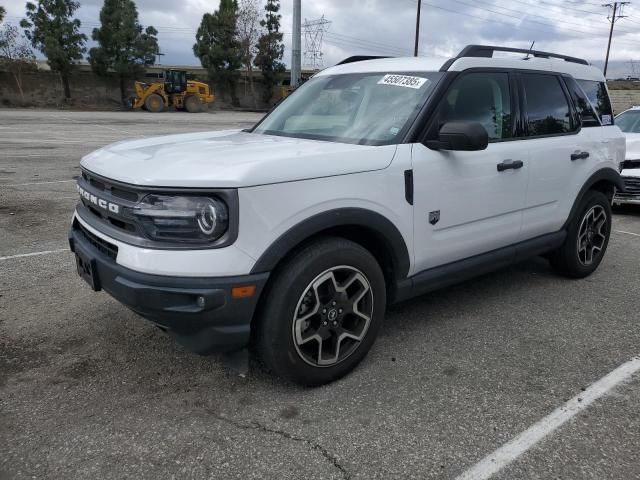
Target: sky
{"x":387,"y":27}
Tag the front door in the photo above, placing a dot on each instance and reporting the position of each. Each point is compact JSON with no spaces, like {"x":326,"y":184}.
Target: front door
{"x":464,"y":204}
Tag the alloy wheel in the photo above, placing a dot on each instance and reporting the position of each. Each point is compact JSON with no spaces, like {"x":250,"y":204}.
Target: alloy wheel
{"x":332,"y":316}
{"x":592,"y":235}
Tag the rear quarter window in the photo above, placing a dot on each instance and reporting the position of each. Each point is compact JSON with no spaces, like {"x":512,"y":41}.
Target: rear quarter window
{"x":599,"y":98}
{"x":586,"y":112}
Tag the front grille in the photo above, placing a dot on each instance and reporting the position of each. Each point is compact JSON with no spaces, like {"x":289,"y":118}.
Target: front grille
{"x":632,"y":187}
{"x":117,"y":194}
{"x":107,"y":248}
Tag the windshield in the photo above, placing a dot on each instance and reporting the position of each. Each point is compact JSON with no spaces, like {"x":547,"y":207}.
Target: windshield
{"x":629,"y":122}
{"x":364,"y":108}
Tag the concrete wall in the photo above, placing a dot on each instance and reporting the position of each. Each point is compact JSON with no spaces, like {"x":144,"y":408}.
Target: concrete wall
{"x":624,"y":99}
{"x":44,"y":89}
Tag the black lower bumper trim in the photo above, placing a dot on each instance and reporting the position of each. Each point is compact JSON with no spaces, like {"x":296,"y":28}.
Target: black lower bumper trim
{"x":199,"y":312}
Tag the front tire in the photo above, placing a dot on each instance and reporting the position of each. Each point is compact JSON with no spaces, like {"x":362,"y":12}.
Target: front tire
{"x":192,"y":104}
{"x":322,"y":312}
{"x":154,"y":103}
{"x":587,"y":238}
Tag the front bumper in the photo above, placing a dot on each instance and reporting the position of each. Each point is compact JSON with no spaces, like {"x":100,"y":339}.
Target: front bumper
{"x":631,"y":194}
{"x":200,"y":313}
{"x":620,"y":200}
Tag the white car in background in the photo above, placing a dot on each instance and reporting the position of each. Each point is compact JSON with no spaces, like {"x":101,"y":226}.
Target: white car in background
{"x":629,"y":123}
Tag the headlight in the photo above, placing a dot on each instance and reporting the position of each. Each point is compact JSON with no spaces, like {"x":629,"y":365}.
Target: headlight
{"x":183,"y":219}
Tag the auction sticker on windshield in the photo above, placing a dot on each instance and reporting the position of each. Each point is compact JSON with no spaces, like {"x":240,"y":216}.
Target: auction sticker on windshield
{"x":403,"y":81}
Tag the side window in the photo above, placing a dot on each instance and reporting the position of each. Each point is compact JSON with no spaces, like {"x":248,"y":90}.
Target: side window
{"x":585,"y":110}
{"x":599,"y":98}
{"x":548,"y":110}
{"x":480,"y":97}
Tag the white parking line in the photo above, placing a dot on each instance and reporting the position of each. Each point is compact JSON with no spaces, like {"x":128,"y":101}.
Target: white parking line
{"x":30,"y":155}
{"x":36,"y":183}
{"x":34,"y":254}
{"x":519,"y":445}
{"x":628,"y":233}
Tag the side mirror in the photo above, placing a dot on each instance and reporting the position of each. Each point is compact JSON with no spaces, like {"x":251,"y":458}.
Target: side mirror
{"x":462,"y":136}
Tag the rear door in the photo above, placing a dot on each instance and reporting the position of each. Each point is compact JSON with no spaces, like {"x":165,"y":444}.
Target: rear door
{"x":561,"y":152}
{"x":464,"y":205}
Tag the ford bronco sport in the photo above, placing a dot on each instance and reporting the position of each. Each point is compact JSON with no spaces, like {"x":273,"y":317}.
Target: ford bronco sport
{"x":376,"y":181}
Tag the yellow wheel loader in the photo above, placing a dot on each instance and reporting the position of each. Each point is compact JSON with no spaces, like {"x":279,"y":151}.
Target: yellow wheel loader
{"x":175,"y":90}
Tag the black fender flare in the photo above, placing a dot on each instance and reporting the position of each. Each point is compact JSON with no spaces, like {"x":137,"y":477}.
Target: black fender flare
{"x":609,"y":175}
{"x":378,"y":224}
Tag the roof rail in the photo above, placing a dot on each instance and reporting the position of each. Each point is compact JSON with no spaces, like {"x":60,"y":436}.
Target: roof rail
{"x":487,"y":51}
{"x":359,"y":58}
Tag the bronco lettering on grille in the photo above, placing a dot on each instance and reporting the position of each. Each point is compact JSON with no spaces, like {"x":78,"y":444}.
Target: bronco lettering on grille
{"x":99,"y":202}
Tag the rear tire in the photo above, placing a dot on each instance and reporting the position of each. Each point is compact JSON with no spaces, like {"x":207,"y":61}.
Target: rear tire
{"x":587,"y":238}
{"x":192,"y":104}
{"x":322,"y":312}
{"x":154,"y":103}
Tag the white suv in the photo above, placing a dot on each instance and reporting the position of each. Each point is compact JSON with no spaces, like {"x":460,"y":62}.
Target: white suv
{"x":376,"y":181}
{"x":629,"y":123}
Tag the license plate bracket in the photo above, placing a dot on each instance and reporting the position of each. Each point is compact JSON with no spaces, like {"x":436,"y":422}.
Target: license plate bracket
{"x":87,"y":269}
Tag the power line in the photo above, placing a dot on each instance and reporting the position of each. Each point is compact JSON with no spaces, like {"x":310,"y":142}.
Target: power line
{"x":364,"y":45}
{"x":371,"y":42}
{"x":538,"y":3}
{"x":545,"y":24}
{"x":502,"y":22}
{"x":590,"y":24}
{"x":364,"y":48}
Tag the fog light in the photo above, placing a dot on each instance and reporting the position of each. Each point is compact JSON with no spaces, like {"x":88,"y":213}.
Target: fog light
{"x":200,"y":302}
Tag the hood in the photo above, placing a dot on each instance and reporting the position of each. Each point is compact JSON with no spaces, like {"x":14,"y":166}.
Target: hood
{"x":230,"y":159}
{"x":633,"y":146}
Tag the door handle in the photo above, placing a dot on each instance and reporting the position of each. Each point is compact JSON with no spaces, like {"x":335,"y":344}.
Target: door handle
{"x":579,"y":156}
{"x":510,"y":165}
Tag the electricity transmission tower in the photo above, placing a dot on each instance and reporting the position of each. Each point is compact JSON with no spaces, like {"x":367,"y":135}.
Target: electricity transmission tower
{"x":313,"y":35}
{"x":633,"y":69}
{"x":615,"y":14}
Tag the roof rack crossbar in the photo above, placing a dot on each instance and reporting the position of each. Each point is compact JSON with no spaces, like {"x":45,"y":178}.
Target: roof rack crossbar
{"x":360,"y":58}
{"x":487,"y":51}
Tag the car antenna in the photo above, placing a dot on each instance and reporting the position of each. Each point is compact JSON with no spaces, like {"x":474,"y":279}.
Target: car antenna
{"x":530,"y":50}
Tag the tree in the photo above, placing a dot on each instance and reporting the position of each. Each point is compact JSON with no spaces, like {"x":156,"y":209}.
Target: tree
{"x":218,"y":48}
{"x":3,"y":12}
{"x":51,"y":28}
{"x":270,"y":49}
{"x":123,"y":46}
{"x":248,"y":34}
{"x":16,"y":55}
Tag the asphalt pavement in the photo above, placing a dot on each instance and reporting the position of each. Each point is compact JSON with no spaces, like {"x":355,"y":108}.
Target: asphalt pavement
{"x":90,"y":390}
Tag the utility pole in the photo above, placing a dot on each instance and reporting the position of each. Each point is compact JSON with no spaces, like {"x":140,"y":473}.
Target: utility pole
{"x":616,"y":15}
{"x":296,"y":53}
{"x":415,"y":50}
